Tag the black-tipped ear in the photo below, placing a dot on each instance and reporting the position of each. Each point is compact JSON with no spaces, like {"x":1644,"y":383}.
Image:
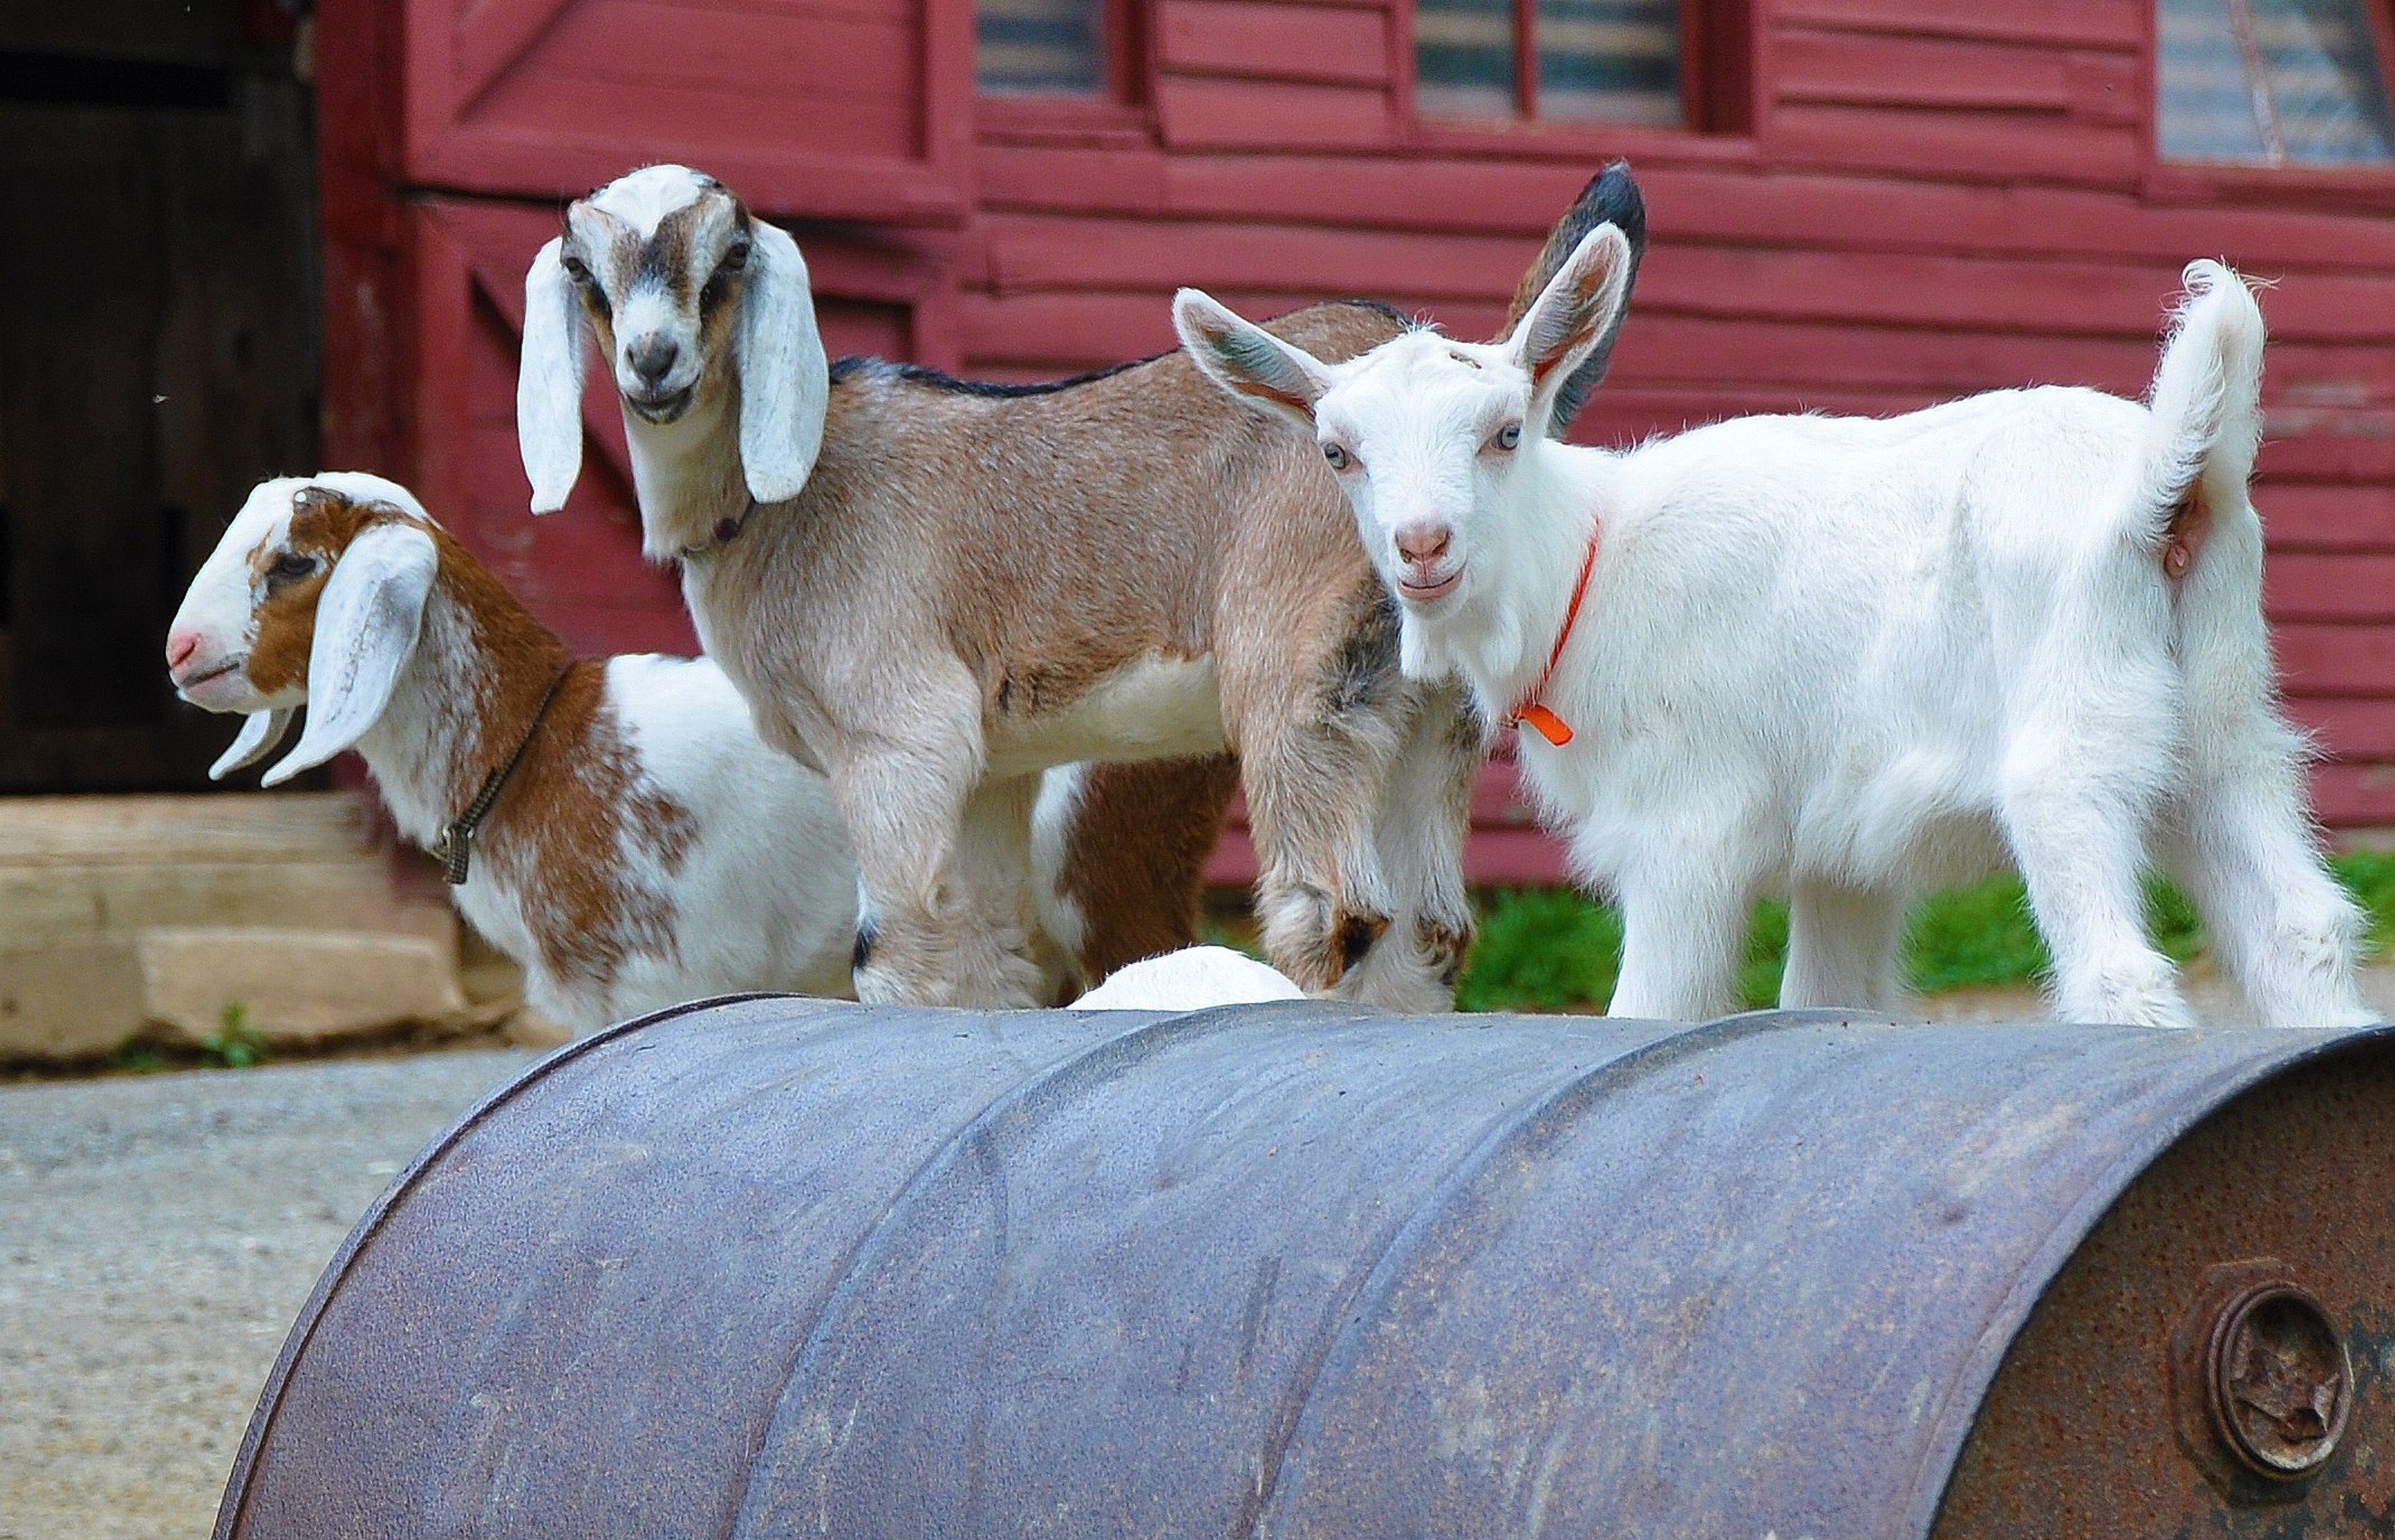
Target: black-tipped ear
{"x":1576,"y":313}
{"x":1611,"y":197}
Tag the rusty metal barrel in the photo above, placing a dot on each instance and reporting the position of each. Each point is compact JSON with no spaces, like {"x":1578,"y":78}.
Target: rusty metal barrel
{"x":781,"y":1267}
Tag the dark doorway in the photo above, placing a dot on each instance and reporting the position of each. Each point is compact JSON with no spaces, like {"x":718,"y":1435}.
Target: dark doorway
{"x":157,"y":355}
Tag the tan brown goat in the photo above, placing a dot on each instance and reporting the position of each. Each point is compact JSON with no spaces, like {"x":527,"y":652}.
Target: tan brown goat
{"x":936,"y":589}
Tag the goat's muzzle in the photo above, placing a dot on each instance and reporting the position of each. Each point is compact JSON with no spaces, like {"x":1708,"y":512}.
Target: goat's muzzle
{"x":662,"y":408}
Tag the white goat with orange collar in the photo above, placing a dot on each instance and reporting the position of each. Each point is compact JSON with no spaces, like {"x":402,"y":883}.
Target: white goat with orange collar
{"x":1854,"y":660}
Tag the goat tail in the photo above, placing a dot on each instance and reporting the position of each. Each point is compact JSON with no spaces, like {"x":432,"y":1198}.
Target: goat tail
{"x":2205,"y":403}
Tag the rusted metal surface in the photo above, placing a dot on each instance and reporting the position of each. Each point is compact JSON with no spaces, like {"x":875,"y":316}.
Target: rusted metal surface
{"x":781,"y":1266}
{"x":2233,"y":1312}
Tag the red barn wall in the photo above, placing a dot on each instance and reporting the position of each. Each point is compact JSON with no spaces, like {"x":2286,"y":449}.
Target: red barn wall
{"x":1934,"y":198}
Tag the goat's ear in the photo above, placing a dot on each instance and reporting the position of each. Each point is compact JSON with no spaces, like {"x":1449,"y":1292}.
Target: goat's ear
{"x":367,"y":620}
{"x":257,"y":738}
{"x":1247,"y":361}
{"x":784,"y":379}
{"x":548,"y":382}
{"x":1574,"y":316}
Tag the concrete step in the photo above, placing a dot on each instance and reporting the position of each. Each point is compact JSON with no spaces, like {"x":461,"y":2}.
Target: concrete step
{"x":119,"y":914}
{"x":87,"y":869}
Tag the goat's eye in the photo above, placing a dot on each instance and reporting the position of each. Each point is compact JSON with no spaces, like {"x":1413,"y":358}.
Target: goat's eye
{"x":737,"y":258}
{"x":1507,"y":439}
{"x":1339,"y":457}
{"x":289,"y":567}
{"x":575,"y":270}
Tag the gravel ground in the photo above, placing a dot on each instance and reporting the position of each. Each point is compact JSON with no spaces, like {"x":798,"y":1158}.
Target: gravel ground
{"x":157,"y":1236}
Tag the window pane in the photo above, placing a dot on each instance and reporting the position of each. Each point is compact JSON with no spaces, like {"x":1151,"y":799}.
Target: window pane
{"x":1050,"y":45}
{"x":1463,"y":57}
{"x":2296,"y":82}
{"x":1614,"y":59}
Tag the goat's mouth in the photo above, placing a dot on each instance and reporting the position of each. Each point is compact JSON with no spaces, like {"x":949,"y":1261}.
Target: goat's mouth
{"x":1424,"y":594}
{"x":193,"y":686}
{"x":663,"y":407}
{"x":214,"y":670}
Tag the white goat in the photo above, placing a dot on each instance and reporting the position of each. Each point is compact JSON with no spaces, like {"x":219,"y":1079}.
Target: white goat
{"x":642,"y":846}
{"x":1853,"y":659}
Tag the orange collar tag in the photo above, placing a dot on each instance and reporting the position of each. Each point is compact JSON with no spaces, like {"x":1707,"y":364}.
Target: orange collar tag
{"x":1547,"y":724}
{"x":1530,"y":713}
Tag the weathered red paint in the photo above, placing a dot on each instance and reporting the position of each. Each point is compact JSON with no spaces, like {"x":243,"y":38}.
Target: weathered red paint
{"x":1929,"y":198}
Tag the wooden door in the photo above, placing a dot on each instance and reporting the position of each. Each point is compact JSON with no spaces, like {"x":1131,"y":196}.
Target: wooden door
{"x":157,"y":356}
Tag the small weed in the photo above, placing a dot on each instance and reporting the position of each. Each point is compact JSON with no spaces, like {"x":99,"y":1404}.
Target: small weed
{"x":237,"y":1045}
{"x":137,"y":1058}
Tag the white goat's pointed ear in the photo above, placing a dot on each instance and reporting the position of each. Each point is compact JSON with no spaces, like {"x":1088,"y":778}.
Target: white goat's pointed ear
{"x":367,"y":620}
{"x":257,"y":739}
{"x":1247,"y":361}
{"x":784,"y":379}
{"x":548,"y":382}
{"x":1574,"y":315}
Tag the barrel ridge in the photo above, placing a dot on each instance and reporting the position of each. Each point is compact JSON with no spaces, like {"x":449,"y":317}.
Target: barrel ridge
{"x":1967,"y":1388}
{"x":1104,"y":1059}
{"x":1564,"y":1103}
{"x":235,"y":1502}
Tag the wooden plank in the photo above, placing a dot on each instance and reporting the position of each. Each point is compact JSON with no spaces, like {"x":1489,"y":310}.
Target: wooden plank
{"x":2349,"y":728}
{"x":1071,"y":179}
{"x":2095,"y":23}
{"x":2298,"y":586}
{"x":762,"y":59}
{"x":2326,"y":515}
{"x":1204,"y":112}
{"x":267,"y":827}
{"x":2354,"y":795}
{"x":1241,"y":38}
{"x":815,"y":110}
{"x":1878,"y":70}
{"x":70,"y":903}
{"x":1958,"y":145}
{"x":1781,"y":207}
{"x":2324,"y":660}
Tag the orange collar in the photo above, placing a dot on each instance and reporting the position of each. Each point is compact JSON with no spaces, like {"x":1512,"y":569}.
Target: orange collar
{"x":1530,"y":712}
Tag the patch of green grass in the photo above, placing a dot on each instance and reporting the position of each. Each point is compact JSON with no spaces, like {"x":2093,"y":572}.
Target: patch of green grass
{"x":1552,"y":949}
{"x":1542,"y":948}
{"x":1979,"y":936}
{"x":2369,"y":876}
{"x":1212,"y":932}
{"x":237,"y":1045}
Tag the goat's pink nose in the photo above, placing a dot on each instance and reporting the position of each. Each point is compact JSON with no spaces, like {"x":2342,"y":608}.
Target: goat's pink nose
{"x":180,"y":645}
{"x":1424,"y":543}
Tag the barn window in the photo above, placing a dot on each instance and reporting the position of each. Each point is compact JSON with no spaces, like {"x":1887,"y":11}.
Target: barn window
{"x":1041,"y":46}
{"x":2274,"y":82}
{"x":1663,"y":63}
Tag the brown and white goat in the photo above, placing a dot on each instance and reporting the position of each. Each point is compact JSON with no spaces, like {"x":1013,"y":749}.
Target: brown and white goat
{"x":938,"y":588}
{"x":646,"y":848}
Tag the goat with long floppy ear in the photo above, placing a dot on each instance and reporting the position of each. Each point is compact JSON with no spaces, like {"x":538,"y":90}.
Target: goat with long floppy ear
{"x":367,"y":620}
{"x":549,"y":380}
{"x":260,"y":731}
{"x":784,"y":379}
{"x":775,"y":358}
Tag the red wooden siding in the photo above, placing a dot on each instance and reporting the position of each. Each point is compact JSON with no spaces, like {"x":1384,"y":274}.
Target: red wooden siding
{"x":846,"y":108}
{"x":1935,"y":198}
